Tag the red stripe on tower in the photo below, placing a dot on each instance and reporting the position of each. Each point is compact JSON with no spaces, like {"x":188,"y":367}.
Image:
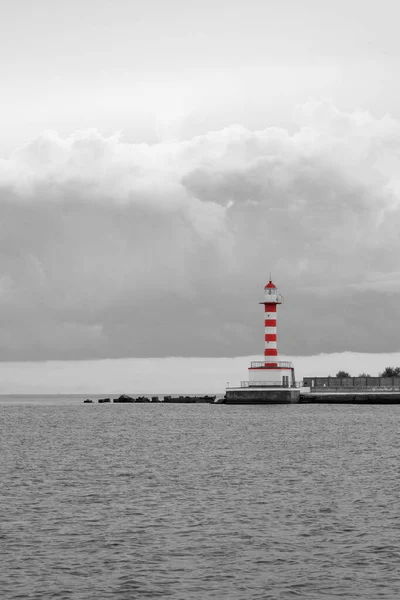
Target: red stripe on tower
{"x":270,"y":322}
{"x":270,"y":337}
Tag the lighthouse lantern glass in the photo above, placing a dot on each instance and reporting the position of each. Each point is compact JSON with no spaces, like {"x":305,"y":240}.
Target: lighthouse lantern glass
{"x":271,"y":294}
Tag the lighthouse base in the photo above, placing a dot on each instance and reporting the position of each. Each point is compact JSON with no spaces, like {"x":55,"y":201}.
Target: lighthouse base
{"x":262,"y":395}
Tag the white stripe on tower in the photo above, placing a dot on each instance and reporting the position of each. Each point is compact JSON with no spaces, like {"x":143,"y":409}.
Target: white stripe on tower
{"x":270,"y":330}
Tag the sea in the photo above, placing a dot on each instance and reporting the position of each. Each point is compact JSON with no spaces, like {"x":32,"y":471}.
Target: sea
{"x":198,"y":501}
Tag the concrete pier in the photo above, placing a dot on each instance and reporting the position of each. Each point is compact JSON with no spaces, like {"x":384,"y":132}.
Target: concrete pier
{"x":364,"y":397}
{"x":265,"y":395}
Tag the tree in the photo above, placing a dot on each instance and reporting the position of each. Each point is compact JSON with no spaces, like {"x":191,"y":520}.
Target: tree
{"x":364,"y":375}
{"x":390,"y":372}
{"x":343,"y":374}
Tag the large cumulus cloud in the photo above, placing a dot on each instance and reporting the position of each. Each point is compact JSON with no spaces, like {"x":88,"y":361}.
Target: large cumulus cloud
{"x":110,"y":249}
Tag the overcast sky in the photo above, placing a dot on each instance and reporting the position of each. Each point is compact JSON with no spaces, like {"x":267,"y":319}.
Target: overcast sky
{"x":184,"y":67}
{"x":159,"y":159}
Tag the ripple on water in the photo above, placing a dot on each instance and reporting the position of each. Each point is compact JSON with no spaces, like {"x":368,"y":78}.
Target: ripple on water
{"x":199,"y":502}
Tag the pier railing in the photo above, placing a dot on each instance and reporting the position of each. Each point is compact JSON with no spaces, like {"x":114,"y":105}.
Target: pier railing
{"x":251,"y":384}
{"x":340,"y":383}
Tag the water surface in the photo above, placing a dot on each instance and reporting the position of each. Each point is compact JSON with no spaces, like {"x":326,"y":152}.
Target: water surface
{"x":198,"y":501}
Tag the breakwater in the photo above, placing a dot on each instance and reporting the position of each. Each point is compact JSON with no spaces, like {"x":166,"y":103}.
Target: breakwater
{"x":125,"y":399}
{"x":323,"y":397}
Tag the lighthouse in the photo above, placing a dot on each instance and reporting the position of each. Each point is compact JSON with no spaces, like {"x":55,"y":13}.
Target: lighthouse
{"x":271,"y":371}
{"x":270,"y":381}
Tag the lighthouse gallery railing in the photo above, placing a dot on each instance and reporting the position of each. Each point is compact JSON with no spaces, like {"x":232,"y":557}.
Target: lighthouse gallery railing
{"x":281,"y":364}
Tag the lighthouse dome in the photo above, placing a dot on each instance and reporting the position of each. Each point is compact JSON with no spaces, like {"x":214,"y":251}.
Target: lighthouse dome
{"x":271,"y":294}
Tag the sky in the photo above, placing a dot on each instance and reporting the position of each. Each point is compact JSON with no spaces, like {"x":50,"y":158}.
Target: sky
{"x":171,"y":375}
{"x":158,"y":160}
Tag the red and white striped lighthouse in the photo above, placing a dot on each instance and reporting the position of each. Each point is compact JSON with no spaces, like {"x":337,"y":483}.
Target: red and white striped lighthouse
{"x":271,"y":371}
{"x":271,"y":301}
{"x":270,"y":380}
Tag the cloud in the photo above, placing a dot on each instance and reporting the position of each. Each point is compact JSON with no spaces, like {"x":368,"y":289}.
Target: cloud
{"x":113,"y":249}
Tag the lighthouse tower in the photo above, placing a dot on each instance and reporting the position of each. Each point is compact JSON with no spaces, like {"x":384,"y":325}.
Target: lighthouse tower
{"x":270,"y":381}
{"x":271,"y":371}
{"x":271,"y":300}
